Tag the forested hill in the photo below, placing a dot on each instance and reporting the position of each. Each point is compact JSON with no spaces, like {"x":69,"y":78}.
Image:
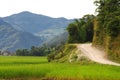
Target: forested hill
{"x":107,"y":27}
{"x":12,"y":39}
{"x":24,"y":30}
{"x":37,"y":24}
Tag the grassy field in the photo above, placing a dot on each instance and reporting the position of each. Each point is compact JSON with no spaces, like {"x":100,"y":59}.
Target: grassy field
{"x":37,"y":68}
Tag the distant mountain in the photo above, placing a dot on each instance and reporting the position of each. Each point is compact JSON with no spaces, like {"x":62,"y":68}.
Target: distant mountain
{"x":57,"y":40}
{"x":12,"y":39}
{"x":37,"y":24}
{"x":27,"y":29}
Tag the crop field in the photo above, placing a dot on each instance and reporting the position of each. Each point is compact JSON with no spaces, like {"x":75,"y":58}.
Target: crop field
{"x":37,"y":68}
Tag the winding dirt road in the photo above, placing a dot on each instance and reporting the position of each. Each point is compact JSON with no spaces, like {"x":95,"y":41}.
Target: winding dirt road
{"x":95,"y":54}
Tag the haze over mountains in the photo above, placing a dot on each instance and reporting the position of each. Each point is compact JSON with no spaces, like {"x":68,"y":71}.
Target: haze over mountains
{"x":26,"y":29}
{"x":12,"y":39}
{"x":36,"y":24}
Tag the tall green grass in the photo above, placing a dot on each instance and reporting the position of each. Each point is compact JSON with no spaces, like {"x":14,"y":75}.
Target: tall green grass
{"x":37,"y":68}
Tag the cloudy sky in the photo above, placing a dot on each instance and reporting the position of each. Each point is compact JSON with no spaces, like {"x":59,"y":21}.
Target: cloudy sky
{"x":53,"y":8}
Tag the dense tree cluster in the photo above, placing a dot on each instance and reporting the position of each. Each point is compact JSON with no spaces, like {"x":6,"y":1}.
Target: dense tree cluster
{"x":81,"y":30}
{"x":34,"y":51}
{"x":109,"y":16}
{"x":107,"y":27}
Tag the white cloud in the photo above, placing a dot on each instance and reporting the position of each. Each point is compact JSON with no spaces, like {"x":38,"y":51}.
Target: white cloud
{"x":53,"y":8}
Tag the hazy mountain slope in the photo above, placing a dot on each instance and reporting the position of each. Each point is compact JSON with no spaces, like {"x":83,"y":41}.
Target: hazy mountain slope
{"x":37,"y":24}
{"x":19,"y":30}
{"x":56,"y":41}
{"x":12,"y":39}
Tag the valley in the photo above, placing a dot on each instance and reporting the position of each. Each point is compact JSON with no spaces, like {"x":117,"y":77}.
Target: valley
{"x":39,"y":47}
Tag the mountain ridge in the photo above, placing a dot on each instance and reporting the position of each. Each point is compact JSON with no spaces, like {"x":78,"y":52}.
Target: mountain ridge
{"x":11,"y":39}
{"x":29,"y":28}
{"x":26,"y":20}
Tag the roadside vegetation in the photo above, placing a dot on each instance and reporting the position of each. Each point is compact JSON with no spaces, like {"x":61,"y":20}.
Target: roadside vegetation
{"x":107,"y":27}
{"x":62,"y":54}
{"x":81,"y":30}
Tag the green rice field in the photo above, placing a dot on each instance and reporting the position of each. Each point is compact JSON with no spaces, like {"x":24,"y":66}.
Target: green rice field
{"x":37,"y":68}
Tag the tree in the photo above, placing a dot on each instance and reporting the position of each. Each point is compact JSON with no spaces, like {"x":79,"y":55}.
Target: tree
{"x":107,"y":27}
{"x":73,"y":33}
{"x":23,"y":52}
{"x":34,"y":51}
{"x":107,"y":11}
{"x":81,"y":30}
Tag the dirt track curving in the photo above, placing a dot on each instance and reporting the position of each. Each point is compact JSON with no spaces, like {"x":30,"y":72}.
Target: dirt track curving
{"x":95,"y":54}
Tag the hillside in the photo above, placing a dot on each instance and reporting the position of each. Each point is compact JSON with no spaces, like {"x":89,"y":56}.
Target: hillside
{"x":27,"y":29}
{"x":12,"y":39}
{"x":57,"y":40}
{"x":37,"y":24}
{"x":107,"y":28}
{"x":81,"y":53}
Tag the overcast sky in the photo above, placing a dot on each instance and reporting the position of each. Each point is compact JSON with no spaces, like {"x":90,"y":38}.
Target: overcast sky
{"x":53,"y":8}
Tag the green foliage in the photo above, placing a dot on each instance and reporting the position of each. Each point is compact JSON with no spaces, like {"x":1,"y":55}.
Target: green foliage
{"x":73,"y":33}
{"x":64,"y":55}
{"x":51,"y":57}
{"x":113,"y":27}
{"x":34,"y":51}
{"x":108,"y":17}
{"x":37,"y":68}
{"x":107,"y":27}
{"x":61,"y":53}
{"x":55,"y":51}
{"x":81,"y":30}
{"x":23,"y":52}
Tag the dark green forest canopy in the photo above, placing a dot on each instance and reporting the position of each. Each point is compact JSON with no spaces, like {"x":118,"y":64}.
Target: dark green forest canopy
{"x":81,"y":30}
{"x":109,"y":16}
{"x":107,"y":27}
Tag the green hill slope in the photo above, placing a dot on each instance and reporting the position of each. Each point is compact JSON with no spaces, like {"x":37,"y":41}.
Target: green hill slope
{"x":37,"y":24}
{"x":107,"y":28}
{"x":12,"y":39}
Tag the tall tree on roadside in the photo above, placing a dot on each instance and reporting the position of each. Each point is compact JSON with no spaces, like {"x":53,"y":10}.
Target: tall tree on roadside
{"x":107,"y":27}
{"x":81,"y":30}
{"x":109,"y":16}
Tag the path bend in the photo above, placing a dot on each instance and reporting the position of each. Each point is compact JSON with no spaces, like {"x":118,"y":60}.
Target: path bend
{"x":95,"y":54}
